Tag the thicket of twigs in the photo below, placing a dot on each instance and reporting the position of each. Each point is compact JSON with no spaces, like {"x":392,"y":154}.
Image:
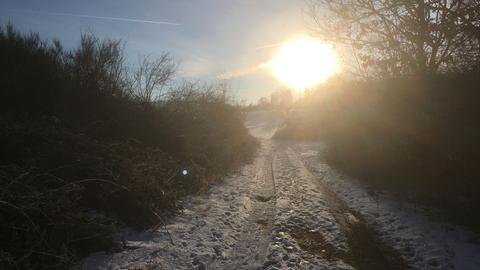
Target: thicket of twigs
{"x":88,"y":145}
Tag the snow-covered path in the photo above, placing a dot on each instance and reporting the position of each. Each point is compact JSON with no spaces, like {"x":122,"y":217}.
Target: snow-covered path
{"x":289,"y":210}
{"x":228,"y":228}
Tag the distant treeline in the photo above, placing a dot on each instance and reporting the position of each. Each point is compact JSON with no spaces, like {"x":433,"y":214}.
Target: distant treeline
{"x":88,"y":144}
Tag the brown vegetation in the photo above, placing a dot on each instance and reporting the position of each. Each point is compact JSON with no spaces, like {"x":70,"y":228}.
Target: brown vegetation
{"x":415,"y":136}
{"x":86,"y":146}
{"x":409,"y":124}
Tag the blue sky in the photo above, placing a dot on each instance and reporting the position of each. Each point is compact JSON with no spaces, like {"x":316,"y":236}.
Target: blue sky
{"x":208,"y":37}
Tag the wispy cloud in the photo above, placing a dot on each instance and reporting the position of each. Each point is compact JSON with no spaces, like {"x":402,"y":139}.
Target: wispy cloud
{"x":122,"y":19}
{"x":242,"y":72}
{"x":268,"y":46}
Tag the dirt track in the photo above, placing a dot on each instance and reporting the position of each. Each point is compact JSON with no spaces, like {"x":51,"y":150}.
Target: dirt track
{"x":282,"y":211}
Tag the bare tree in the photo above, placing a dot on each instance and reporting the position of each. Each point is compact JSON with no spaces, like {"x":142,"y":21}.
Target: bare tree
{"x":282,"y":98}
{"x":393,"y":37}
{"x":99,"y":65}
{"x":151,"y":76}
{"x":263,"y":101}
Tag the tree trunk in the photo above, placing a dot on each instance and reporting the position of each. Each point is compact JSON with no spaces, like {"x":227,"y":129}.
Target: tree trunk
{"x":420,"y":42}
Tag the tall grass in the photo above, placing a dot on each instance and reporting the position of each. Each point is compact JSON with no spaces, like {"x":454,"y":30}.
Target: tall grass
{"x":83,"y":152}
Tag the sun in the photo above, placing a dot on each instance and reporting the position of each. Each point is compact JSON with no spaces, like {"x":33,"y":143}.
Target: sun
{"x":303,"y":62}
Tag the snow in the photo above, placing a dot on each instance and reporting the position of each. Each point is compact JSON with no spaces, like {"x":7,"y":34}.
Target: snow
{"x":223,"y":229}
{"x":288,"y":209}
{"x":301,"y":209}
{"x":423,"y":243}
{"x":263,"y":124}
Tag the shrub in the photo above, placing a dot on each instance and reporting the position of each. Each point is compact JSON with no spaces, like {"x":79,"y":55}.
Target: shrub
{"x":415,"y":136}
{"x":83,"y":151}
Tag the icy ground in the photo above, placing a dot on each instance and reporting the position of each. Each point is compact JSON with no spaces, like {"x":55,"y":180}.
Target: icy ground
{"x":290,"y":210}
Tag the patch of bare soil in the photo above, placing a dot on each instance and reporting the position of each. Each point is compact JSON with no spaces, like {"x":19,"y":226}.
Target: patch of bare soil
{"x":366,"y":251}
{"x":313,"y":242}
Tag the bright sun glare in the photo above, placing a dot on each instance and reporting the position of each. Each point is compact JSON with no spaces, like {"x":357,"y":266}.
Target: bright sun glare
{"x":303,"y":62}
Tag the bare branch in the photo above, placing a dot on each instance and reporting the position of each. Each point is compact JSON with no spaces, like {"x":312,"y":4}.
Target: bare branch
{"x":151,"y":76}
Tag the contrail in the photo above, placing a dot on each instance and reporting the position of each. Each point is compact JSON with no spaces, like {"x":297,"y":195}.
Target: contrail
{"x":242,"y":72}
{"x":268,"y":46}
{"x":101,"y":17}
{"x":248,"y":70}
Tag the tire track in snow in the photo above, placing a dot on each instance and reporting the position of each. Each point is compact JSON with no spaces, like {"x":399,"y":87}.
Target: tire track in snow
{"x":251,"y":248}
{"x":305,"y":234}
{"x":422,"y":242}
{"x":313,"y":229}
{"x":227,"y":228}
{"x":366,"y":250}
